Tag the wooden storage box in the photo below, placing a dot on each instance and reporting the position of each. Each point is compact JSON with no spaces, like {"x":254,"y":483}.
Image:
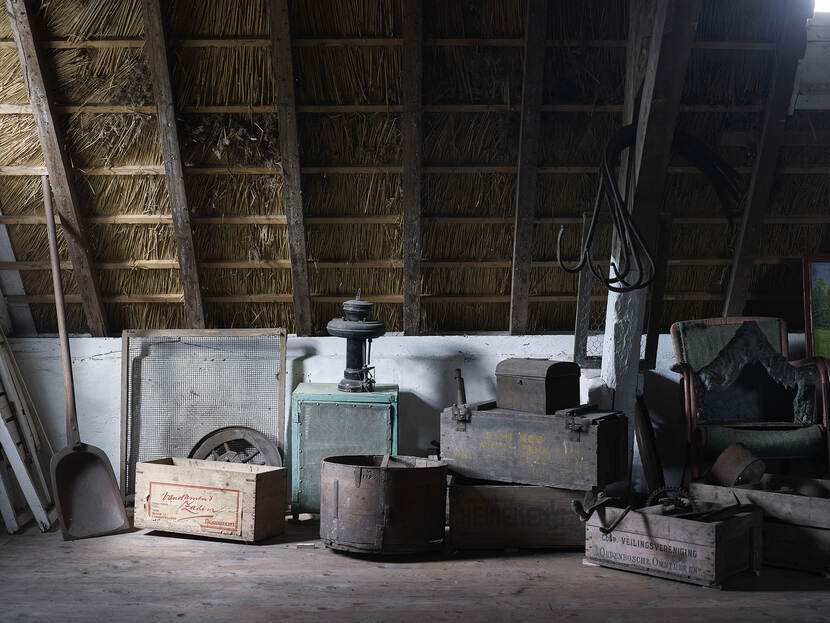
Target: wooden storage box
{"x":796,"y":518}
{"x":697,"y":552}
{"x":572,"y":449}
{"x":537,"y":385}
{"x":488,"y":516}
{"x":210,"y":498}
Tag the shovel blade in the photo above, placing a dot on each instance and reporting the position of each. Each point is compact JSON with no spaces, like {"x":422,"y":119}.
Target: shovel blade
{"x":87,"y":498}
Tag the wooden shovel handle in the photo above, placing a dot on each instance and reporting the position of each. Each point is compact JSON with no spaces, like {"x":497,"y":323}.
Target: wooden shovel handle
{"x":73,"y":436}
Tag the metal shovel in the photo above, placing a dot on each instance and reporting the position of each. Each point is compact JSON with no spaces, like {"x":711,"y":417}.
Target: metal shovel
{"x":86,"y":493}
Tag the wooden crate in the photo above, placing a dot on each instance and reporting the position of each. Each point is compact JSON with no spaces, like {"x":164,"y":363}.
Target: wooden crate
{"x":485,"y":516}
{"x":211,"y":498}
{"x":675,"y":548}
{"x":796,"y":518}
{"x":570,"y":451}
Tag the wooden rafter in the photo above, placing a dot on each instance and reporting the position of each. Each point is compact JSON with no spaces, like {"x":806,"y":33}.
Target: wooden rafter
{"x":413,"y":163}
{"x":57,"y":164}
{"x":532,"y":81}
{"x":156,"y":49}
{"x":282,"y":65}
{"x":661,"y":33}
{"x":791,"y":45}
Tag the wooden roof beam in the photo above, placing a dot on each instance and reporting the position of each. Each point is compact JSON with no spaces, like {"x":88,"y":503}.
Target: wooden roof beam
{"x":57,"y":164}
{"x":526,"y":182}
{"x":282,"y":64}
{"x":156,"y":49}
{"x":791,"y":45}
{"x":413,"y":162}
{"x":661,"y":33}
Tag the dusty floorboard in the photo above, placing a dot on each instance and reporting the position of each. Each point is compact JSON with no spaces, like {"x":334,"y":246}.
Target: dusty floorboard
{"x":153,"y":577}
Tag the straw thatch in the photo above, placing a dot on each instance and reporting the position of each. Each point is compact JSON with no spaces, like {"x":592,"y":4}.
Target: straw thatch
{"x":12,"y":86}
{"x":479,"y":75}
{"x":240,"y":242}
{"x":464,"y":317}
{"x":352,"y":195}
{"x":584,"y":75}
{"x":92,"y":19}
{"x":227,"y":282}
{"x":347,"y":281}
{"x":346,"y":18}
{"x":575,"y":138}
{"x":110,"y":195}
{"x":487,"y":138}
{"x":565,"y":195}
{"x":348,"y":75}
{"x":259,"y":315}
{"x":101,"y":76}
{"x":227,"y":195}
{"x":230,"y":140}
{"x":112,"y":140}
{"x":469,"y":194}
{"x":217,"y":18}
{"x":728,"y":78}
{"x":466,"y":281}
{"x":223,"y":76}
{"x":485,"y":18}
{"x":589,"y":19}
{"x":444,"y":241}
{"x":19,"y":144}
{"x":739,"y":20}
{"x":354,"y":242}
{"x":350,"y":138}
{"x":574,"y":74}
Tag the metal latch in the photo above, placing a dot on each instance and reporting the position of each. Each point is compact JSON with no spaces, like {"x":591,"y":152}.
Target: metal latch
{"x":578,"y":424}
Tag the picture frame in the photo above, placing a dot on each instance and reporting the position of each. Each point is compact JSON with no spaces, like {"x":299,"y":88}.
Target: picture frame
{"x":816,"y":280}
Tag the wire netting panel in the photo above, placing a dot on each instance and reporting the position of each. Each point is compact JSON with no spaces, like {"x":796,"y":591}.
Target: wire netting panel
{"x":180,"y":389}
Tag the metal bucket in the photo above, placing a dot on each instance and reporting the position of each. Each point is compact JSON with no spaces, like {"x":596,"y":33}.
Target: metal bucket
{"x":382,"y":504}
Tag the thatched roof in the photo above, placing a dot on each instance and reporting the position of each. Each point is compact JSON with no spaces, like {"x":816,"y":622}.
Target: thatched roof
{"x":249,"y":259}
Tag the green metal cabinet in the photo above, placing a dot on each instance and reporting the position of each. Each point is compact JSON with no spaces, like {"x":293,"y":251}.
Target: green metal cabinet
{"x":328,"y":422}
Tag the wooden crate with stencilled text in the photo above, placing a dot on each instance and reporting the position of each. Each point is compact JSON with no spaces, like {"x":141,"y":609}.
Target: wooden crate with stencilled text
{"x":577,"y":448}
{"x":698,"y":552}
{"x":211,"y":498}
{"x":500,"y":516}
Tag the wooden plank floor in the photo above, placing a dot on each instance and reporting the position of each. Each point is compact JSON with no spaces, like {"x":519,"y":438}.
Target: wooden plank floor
{"x":145,"y":576}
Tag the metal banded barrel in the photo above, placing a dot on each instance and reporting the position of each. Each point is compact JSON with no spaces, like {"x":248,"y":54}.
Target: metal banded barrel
{"x":383,"y":504}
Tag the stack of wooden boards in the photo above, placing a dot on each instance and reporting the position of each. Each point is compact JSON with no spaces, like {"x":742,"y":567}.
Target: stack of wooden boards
{"x":25,"y":452}
{"x":519,"y":461}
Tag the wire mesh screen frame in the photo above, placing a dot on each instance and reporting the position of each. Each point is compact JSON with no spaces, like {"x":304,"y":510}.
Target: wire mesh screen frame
{"x":128,"y":423}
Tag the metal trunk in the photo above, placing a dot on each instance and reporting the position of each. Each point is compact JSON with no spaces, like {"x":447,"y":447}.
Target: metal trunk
{"x":537,"y":385}
{"x":383,"y":504}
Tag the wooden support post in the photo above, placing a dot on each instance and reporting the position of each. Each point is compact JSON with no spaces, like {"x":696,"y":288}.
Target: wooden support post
{"x":658,"y":288}
{"x":660,"y":40}
{"x":282,"y":64}
{"x":791,"y":45}
{"x":413,"y":163}
{"x":156,"y":48}
{"x":532,"y":82}
{"x":582,"y":323}
{"x":57,"y":164}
